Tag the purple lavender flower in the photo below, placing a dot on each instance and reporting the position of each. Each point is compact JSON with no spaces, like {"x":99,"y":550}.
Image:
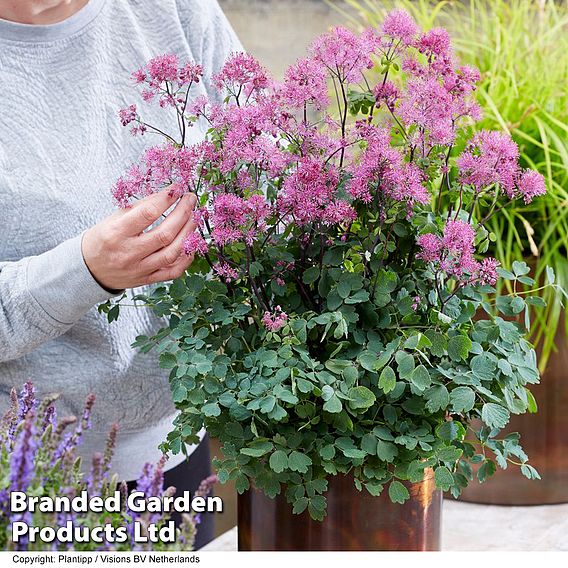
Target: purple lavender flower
{"x":96,"y":476}
{"x":109,"y":450}
{"x":49,"y":418}
{"x":71,"y":441}
{"x":10,"y":421}
{"x":27,"y":400}
{"x":23,"y":456}
{"x":22,"y":466}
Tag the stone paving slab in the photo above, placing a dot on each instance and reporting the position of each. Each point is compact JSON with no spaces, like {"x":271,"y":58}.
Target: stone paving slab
{"x":470,"y":527}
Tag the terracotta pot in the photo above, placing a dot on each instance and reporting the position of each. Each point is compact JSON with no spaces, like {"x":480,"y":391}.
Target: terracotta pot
{"x":544,"y":437}
{"x":355,"y":520}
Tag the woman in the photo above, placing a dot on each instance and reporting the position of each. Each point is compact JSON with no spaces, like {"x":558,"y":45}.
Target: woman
{"x":65,"y":69}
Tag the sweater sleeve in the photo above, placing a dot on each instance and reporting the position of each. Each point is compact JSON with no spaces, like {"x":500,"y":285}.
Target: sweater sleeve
{"x":42,"y":296}
{"x":210,"y":36}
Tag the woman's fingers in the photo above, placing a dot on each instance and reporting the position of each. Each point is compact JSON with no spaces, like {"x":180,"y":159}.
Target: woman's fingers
{"x":169,"y":255}
{"x":119,"y":254}
{"x":162,"y":236}
{"x":171,"y":272}
{"x":146,"y":212}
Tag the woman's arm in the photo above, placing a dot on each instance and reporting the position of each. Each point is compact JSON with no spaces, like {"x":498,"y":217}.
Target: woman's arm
{"x":42,"y":296}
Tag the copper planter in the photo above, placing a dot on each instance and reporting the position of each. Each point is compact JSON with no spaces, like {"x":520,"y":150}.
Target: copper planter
{"x":355,"y":520}
{"x":544,"y":437}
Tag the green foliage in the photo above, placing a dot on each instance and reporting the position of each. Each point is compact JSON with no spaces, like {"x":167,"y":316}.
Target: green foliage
{"x":361,"y":386}
{"x":521,"y":49}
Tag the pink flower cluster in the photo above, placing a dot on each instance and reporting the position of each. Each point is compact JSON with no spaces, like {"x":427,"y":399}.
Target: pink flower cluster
{"x":437,"y":96}
{"x":163,"y":77}
{"x":383,"y":172}
{"x":242,"y":73}
{"x":163,"y":167}
{"x":127,"y":115}
{"x":194,"y":243}
{"x":249,"y":136}
{"x":345,"y":54}
{"x":400,"y":26}
{"x":305,"y":83}
{"x":279,"y":163}
{"x":492,"y":158}
{"x":276,"y":320}
{"x":225,"y":271}
{"x":308,"y":195}
{"x":453,"y":254}
{"x":235,"y":218}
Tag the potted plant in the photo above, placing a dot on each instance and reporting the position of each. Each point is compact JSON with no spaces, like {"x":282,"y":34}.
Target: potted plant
{"x":511,"y":43}
{"x":325,"y":331}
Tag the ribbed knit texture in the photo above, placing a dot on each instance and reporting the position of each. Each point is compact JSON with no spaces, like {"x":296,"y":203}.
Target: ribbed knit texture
{"x":61,"y":149}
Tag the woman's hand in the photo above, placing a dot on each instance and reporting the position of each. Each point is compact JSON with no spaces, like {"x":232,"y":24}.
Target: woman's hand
{"x":121,"y":255}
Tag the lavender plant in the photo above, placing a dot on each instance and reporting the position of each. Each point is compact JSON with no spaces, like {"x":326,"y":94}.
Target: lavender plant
{"x":38,"y":455}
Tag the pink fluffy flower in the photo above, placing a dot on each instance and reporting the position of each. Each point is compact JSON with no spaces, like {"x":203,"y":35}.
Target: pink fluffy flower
{"x":167,"y":69}
{"x":458,"y":238}
{"x":276,"y":320}
{"x":434,"y":43}
{"x":235,"y":218}
{"x":487,"y":271}
{"x":189,"y":73}
{"x":431,"y":246}
{"x":308,"y":194}
{"x":428,"y":105}
{"x":162,"y":167}
{"x":249,"y":136}
{"x":163,"y":68}
{"x":135,"y":183}
{"x":399,"y":25}
{"x":344,"y":53}
{"x":139,"y":76}
{"x":198,"y":106}
{"x":226,"y":272}
{"x":434,"y":105}
{"x":457,"y":244}
{"x":228,"y":218}
{"x":386,"y":93}
{"x":381,"y":171}
{"x":403,"y":183}
{"x":491,"y":158}
{"x":305,"y":82}
{"x":339,"y":212}
{"x":194,"y":243}
{"x":530,"y":184}
{"x":148,"y":95}
{"x":242,"y":72}
{"x":127,"y":115}
{"x":453,"y":253}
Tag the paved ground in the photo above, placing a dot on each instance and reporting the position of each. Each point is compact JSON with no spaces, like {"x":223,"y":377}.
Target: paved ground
{"x":468,"y":527}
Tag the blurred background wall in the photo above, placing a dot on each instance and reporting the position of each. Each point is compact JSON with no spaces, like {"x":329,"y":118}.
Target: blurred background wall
{"x":278,"y":31}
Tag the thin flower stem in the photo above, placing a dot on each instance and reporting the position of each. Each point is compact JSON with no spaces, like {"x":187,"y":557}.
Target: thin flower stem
{"x":158,"y":131}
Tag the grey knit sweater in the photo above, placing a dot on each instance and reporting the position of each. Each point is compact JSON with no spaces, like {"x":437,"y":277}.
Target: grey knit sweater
{"x":61,"y":149}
